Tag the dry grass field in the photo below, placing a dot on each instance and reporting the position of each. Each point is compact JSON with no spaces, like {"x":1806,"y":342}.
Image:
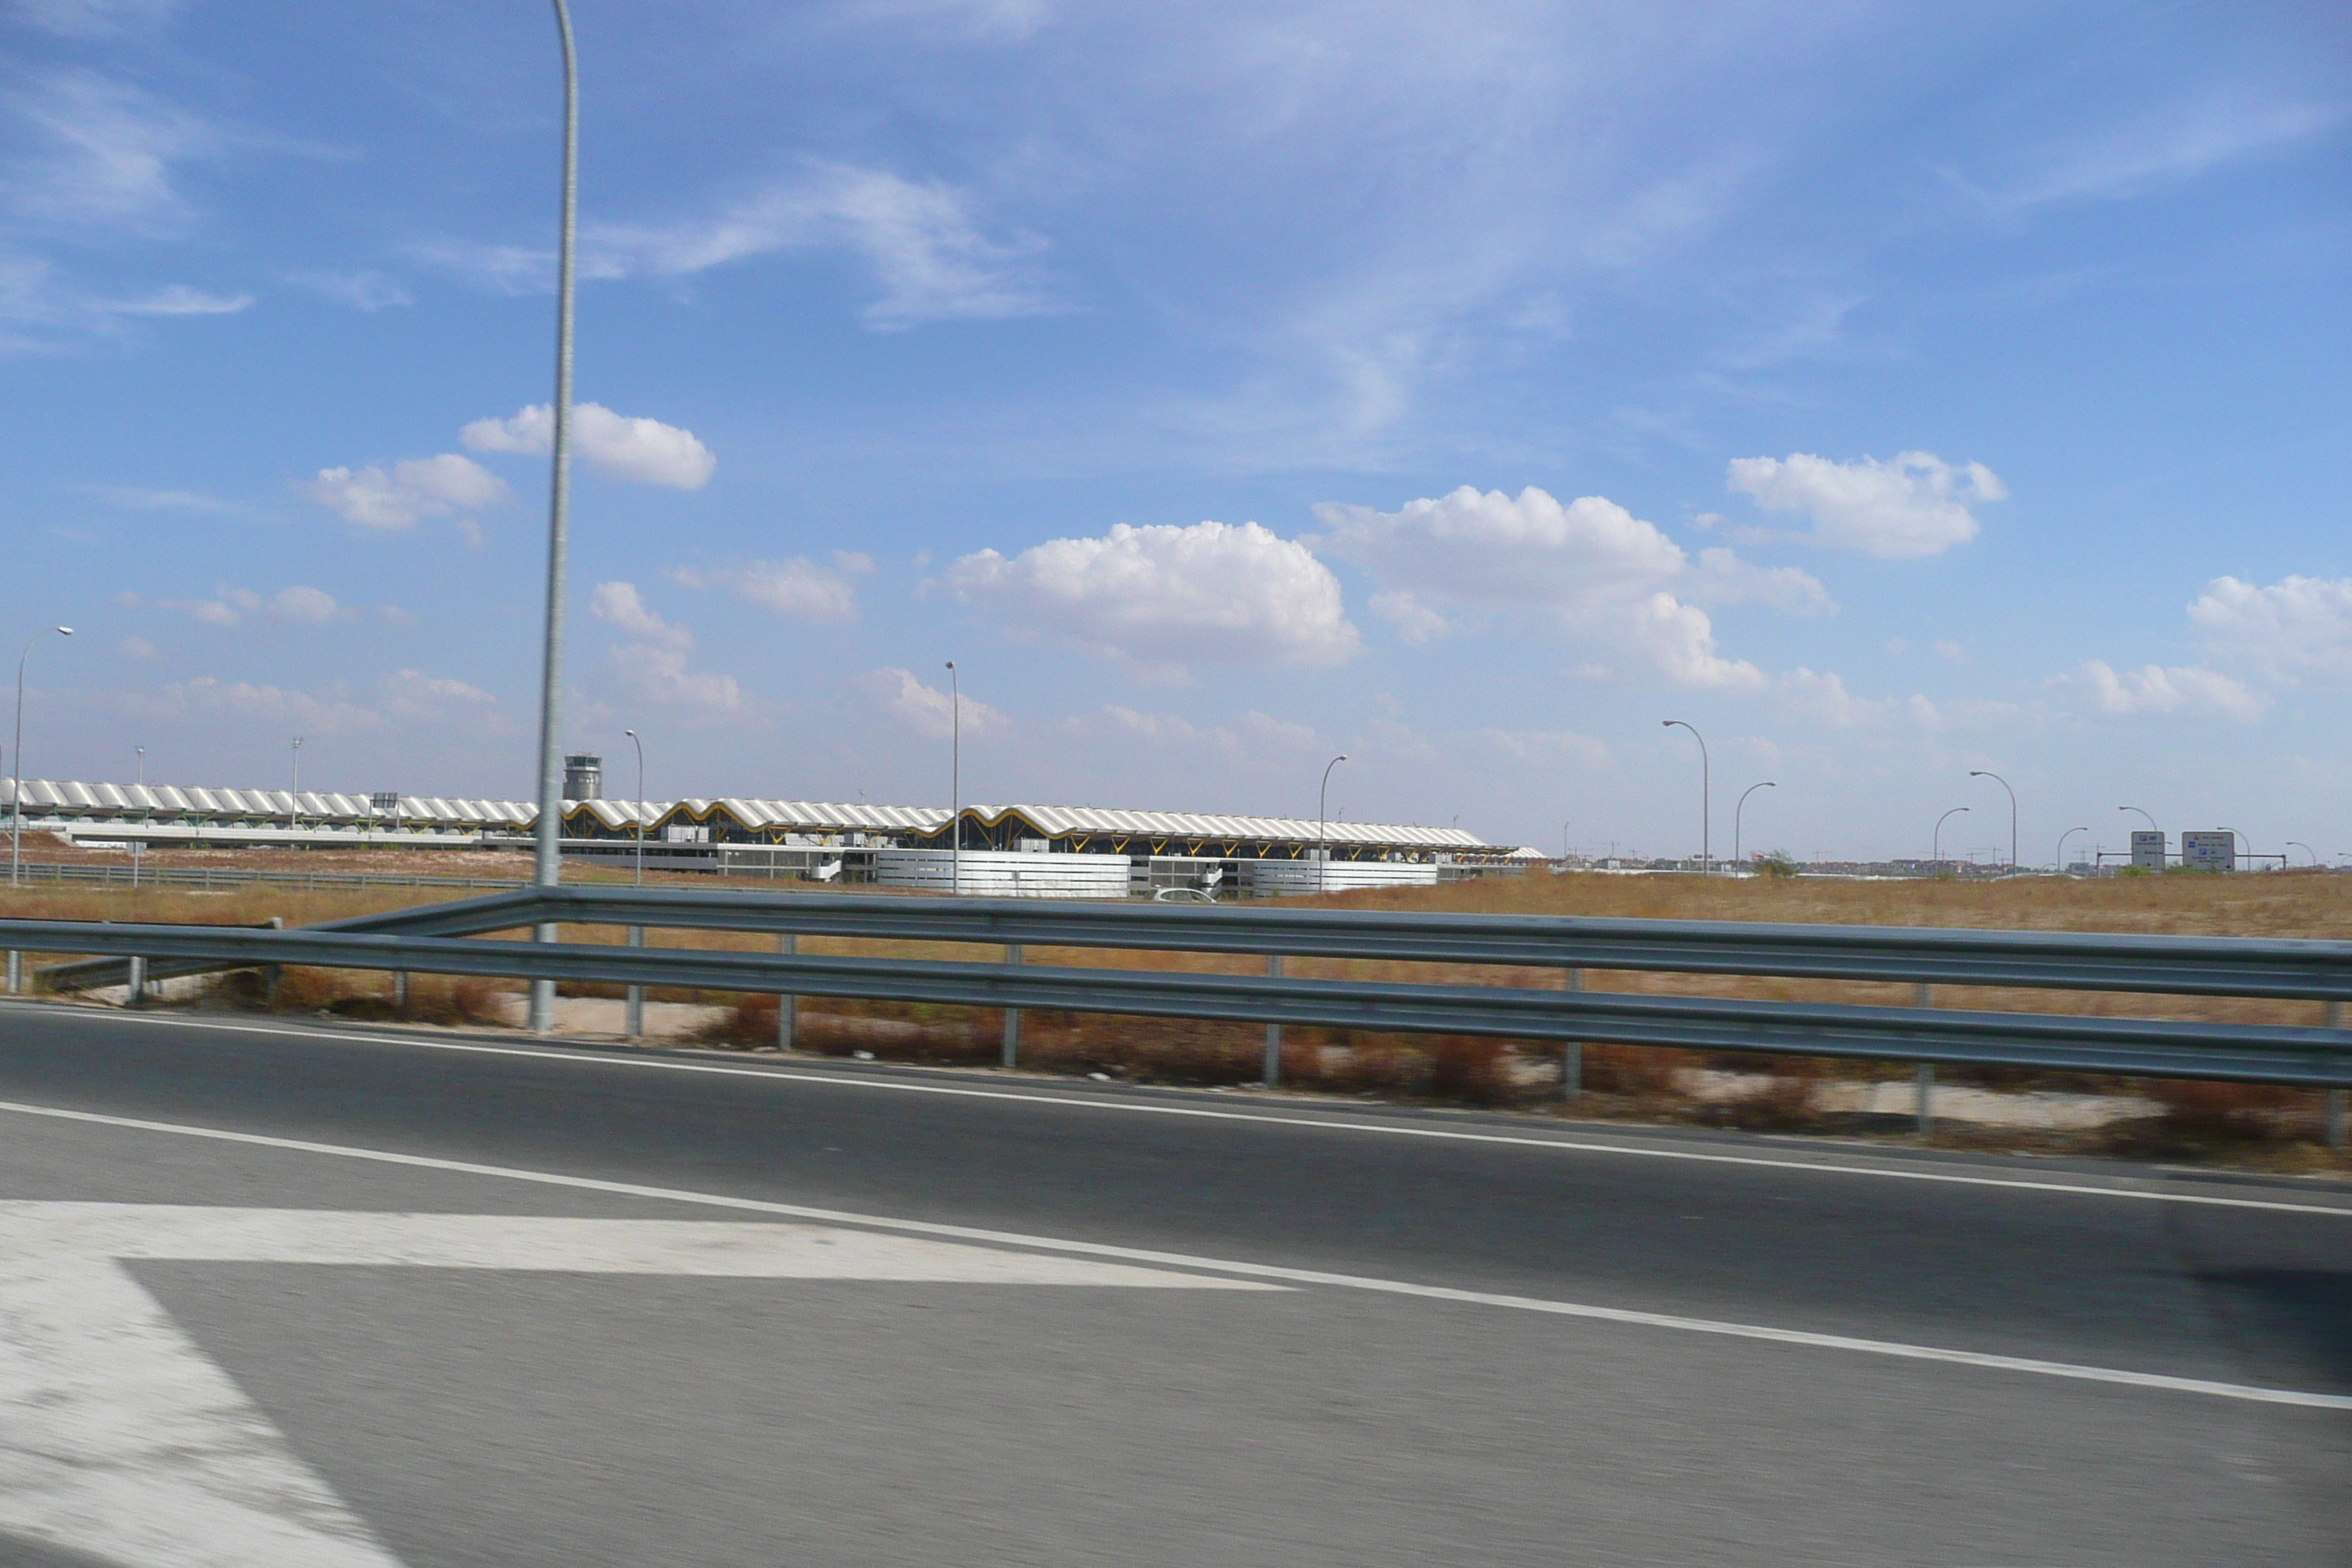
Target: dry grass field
{"x":2195,"y":1120}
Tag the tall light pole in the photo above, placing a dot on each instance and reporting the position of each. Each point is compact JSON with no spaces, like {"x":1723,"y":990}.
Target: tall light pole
{"x":1939,"y":832}
{"x":547,"y":863}
{"x":1989,"y":774}
{"x":293,"y":788}
{"x":1735,"y":810}
{"x":640,"y":745}
{"x":1322,"y":854}
{"x":142,"y":766}
{"x":1706,"y":790}
{"x":2299,"y":844}
{"x":2236,"y":854}
{"x":17,"y":787}
{"x":2152,"y":827}
{"x":2062,"y":845}
{"x":955,"y":781}
{"x":1563,"y":840}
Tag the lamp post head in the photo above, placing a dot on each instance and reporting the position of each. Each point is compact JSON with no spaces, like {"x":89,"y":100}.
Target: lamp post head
{"x":65,"y":631}
{"x":632,"y":734}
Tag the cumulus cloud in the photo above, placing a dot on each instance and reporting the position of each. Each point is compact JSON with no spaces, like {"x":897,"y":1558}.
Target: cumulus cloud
{"x":314,"y":714}
{"x":2296,"y":628}
{"x":298,"y":605}
{"x":2155,"y":689}
{"x":410,"y":491}
{"x":364,"y":290}
{"x":652,"y":665}
{"x":1599,"y":574}
{"x":1917,"y":505}
{"x":1164,"y":597}
{"x":927,"y":710}
{"x":798,"y":588}
{"x":642,"y":451}
{"x":414,"y":695}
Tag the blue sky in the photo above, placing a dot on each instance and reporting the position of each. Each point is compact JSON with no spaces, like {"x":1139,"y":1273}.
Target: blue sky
{"x":1889,"y":391}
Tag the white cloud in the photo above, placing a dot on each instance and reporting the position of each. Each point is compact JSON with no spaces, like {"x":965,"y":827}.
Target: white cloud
{"x":207,"y":695}
{"x":2183,"y":143}
{"x":103,"y":154}
{"x":2155,"y":689}
{"x":2294,"y":628}
{"x":925,"y":241}
{"x":653,"y":665}
{"x":1417,"y":624}
{"x":138,"y":648}
{"x":1164,"y":597}
{"x":364,"y":290}
{"x":1917,"y":505}
{"x":93,"y":18}
{"x":643,"y":451}
{"x":179,"y":300}
{"x":414,"y":695}
{"x":307,"y":606}
{"x":414,"y":490}
{"x":927,"y":710}
{"x":1599,"y":574}
{"x":231,"y":607}
{"x":798,"y":588}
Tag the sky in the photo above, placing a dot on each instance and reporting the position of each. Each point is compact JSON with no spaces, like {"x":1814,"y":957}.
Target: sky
{"x":1886,"y":392}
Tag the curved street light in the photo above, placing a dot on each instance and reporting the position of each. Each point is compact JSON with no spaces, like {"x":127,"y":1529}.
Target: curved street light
{"x":1735,"y":810}
{"x":547,"y":860}
{"x":1705,"y":788}
{"x":2062,"y":845}
{"x":16,"y":786}
{"x":2299,"y":844}
{"x":1989,"y":774}
{"x":1322,"y":854}
{"x":2237,"y":854}
{"x":1948,"y":816}
{"x":640,"y":745}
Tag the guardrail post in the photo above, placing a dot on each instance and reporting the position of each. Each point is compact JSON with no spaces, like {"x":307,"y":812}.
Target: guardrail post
{"x":2334,"y":1096}
{"x":1571,"y":1055}
{"x":400,"y":991}
{"x":633,"y":1011}
{"x":137,"y":992}
{"x":16,"y":973}
{"x":1274,"y":1031}
{"x":271,"y":973}
{"x":788,"y":1005}
{"x":1926,"y":1074}
{"x":1012,"y":1015}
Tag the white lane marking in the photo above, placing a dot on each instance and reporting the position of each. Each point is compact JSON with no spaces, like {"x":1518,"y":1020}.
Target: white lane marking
{"x":1079,"y":1102}
{"x":118,"y":1436}
{"x":1250,"y":1270}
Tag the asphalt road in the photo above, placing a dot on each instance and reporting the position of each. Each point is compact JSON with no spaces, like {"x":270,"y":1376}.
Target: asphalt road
{"x":495,"y":1303}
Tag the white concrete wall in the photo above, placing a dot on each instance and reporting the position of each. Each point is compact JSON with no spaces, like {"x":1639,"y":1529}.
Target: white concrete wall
{"x":1282,"y":879}
{"x":1005,"y":874}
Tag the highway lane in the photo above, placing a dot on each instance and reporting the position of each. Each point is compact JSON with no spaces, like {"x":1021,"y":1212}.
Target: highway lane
{"x":1317,"y":1425}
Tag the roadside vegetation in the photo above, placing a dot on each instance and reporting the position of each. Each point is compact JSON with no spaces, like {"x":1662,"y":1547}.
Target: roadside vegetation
{"x":2243,"y":1123}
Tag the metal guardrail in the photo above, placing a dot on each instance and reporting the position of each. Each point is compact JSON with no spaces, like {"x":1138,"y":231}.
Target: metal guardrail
{"x":212,"y":879}
{"x":434,"y":940}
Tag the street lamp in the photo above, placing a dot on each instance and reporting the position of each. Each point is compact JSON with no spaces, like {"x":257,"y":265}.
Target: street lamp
{"x":1705,"y":788}
{"x":142,"y":766}
{"x":955,"y":781}
{"x":293,"y":788}
{"x":547,"y":864}
{"x":1323,"y":855}
{"x":2062,"y":845}
{"x":1939,"y":832}
{"x":1563,"y":840}
{"x":1735,"y":810}
{"x":640,"y":745}
{"x":2299,"y":844}
{"x":16,"y":786}
{"x":2236,"y":854}
{"x":1987,"y":774}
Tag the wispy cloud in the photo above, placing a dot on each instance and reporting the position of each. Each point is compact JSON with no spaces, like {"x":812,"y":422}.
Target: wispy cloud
{"x":362,"y":290}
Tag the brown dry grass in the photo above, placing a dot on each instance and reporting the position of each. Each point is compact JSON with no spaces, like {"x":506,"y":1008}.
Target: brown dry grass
{"x":1620,"y":1079}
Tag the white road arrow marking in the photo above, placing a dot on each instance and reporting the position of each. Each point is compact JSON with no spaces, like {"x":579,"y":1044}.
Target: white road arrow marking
{"x":118,"y":1436}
